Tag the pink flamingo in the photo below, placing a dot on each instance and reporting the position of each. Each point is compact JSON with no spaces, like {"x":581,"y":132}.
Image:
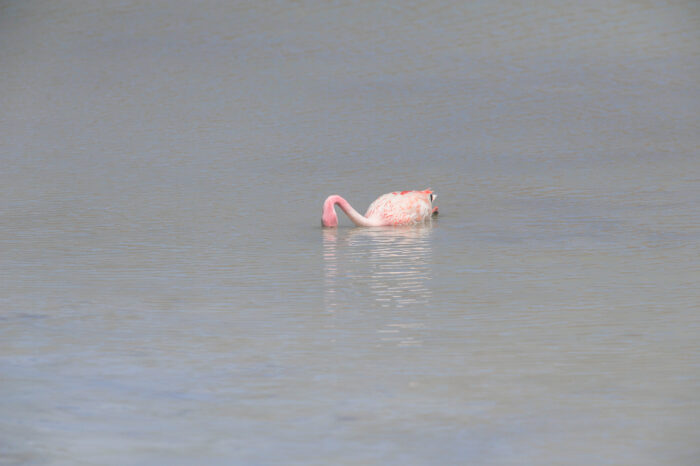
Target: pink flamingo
{"x":397,"y":208}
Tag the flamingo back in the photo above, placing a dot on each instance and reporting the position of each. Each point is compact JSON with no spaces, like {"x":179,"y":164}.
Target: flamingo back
{"x":402,"y":207}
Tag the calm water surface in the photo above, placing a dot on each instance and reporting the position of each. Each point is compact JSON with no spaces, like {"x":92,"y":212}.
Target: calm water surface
{"x":167,"y":295}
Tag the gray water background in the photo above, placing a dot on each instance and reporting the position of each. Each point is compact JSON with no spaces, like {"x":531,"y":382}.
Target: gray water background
{"x":167,"y":295}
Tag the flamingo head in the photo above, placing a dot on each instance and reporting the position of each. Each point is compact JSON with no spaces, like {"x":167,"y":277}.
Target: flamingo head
{"x":329,"y":218}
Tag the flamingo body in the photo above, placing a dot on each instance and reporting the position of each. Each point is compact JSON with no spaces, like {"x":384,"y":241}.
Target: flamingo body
{"x":395,"y":208}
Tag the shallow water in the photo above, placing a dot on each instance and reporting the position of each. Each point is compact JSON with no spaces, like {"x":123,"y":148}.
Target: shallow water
{"x":167,"y":294}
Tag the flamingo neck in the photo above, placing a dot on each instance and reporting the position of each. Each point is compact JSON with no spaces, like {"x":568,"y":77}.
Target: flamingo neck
{"x":330,"y":219}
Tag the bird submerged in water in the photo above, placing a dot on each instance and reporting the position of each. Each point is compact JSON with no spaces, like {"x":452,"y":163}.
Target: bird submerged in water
{"x":395,"y":208}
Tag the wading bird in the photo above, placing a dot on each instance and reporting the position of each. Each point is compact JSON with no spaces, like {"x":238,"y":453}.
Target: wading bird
{"x":396,"y":208}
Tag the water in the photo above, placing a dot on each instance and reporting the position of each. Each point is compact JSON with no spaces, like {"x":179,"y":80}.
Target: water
{"x":167,"y":295}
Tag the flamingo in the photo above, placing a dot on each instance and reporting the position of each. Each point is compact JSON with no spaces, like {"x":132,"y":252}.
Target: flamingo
{"x":395,"y":208}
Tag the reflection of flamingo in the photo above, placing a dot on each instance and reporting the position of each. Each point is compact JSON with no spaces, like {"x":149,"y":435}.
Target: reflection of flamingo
{"x":397,"y":208}
{"x":390,"y":266}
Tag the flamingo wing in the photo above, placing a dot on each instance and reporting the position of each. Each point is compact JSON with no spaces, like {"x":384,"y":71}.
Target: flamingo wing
{"x":402,"y":207}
